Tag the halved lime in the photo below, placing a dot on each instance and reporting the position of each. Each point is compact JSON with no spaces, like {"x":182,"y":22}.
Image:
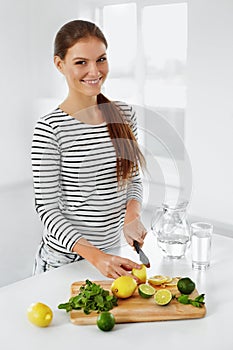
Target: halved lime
{"x":163,"y":297}
{"x":146,"y":291}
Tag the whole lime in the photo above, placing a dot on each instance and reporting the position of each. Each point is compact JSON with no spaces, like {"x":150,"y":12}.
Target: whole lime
{"x":105,"y":321}
{"x":185,"y":285}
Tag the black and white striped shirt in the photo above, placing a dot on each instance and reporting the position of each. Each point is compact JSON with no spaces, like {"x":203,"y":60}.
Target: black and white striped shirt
{"x":76,"y":189}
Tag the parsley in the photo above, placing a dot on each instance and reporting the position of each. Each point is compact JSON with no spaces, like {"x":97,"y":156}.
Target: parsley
{"x":197,"y":302}
{"x":91,"y":297}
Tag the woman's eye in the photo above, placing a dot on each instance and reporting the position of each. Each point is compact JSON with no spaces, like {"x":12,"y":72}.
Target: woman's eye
{"x":80,"y":62}
{"x":102,"y":59}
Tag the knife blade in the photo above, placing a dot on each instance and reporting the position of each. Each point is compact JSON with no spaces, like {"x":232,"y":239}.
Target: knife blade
{"x":143,"y":258}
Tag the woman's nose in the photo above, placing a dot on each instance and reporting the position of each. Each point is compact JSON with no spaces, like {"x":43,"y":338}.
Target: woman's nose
{"x":93,"y":69}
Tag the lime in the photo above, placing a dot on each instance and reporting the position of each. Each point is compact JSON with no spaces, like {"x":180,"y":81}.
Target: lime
{"x":185,"y":285}
{"x":140,"y":274}
{"x":40,"y":314}
{"x":105,"y":321}
{"x":157,"y":280}
{"x":146,"y":291}
{"x":124,"y":286}
{"x":163,"y":297}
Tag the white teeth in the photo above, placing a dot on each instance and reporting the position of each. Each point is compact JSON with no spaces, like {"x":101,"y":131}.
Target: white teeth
{"x":91,"y":81}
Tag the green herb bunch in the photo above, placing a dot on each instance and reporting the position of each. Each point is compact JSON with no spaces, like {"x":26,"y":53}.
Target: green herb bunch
{"x":197,"y":302}
{"x":91,"y":297}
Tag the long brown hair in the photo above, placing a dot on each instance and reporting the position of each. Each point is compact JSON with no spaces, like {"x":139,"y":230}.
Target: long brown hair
{"x":126,"y":147}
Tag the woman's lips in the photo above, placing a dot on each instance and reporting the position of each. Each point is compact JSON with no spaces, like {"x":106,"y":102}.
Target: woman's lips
{"x":91,"y":81}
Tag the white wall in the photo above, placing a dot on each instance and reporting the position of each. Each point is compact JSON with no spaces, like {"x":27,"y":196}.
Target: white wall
{"x":16,"y":94}
{"x":209,"y":119}
{"x":29,"y":87}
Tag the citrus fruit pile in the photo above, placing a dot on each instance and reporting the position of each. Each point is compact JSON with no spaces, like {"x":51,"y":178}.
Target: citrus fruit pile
{"x":166,"y":281}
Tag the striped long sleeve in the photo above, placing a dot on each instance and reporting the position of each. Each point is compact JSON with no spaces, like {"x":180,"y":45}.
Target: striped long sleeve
{"x":75,"y":183}
{"x":46,"y":157}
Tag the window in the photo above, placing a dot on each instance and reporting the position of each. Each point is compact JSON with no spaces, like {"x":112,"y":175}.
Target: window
{"x":147,"y":52}
{"x":120,"y":27}
{"x":164,"y":31}
{"x":147,"y":57}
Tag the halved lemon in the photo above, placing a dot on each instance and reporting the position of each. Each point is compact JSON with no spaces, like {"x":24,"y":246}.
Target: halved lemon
{"x":146,"y":291}
{"x":157,"y":280}
{"x":163,"y":297}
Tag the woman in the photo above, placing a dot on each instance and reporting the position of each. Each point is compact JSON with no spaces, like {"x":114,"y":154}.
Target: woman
{"x":85,"y":161}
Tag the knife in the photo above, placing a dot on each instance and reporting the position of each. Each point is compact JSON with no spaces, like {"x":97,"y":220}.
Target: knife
{"x":142,"y":255}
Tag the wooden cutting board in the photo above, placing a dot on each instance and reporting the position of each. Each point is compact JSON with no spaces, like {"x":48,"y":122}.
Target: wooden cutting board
{"x":138,"y":309}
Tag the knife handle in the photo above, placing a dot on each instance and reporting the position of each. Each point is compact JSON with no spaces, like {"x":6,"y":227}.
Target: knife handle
{"x":136,"y":246}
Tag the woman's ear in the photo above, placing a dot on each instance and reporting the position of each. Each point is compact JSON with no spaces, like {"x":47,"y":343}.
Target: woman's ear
{"x":58,"y":63}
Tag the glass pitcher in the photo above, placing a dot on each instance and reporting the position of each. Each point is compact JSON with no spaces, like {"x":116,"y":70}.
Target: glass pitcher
{"x":171,"y":228}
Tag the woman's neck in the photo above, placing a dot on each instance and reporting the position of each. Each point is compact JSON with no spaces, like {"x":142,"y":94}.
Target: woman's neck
{"x":81,"y":108}
{"x":73,"y":104}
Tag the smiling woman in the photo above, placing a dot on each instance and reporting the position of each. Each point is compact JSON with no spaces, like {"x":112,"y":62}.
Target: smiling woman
{"x":85,"y":159}
{"x":85,"y":67}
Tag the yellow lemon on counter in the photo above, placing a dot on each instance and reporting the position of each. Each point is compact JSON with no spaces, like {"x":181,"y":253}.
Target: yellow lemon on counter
{"x":140,"y":274}
{"x":123,"y":286}
{"x":40,"y":314}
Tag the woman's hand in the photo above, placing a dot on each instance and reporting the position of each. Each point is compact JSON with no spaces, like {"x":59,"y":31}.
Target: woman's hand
{"x":134,"y":230}
{"x":113,"y":266}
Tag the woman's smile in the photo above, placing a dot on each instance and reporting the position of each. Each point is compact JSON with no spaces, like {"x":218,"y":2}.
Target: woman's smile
{"x":85,"y":67}
{"x":92,"y":82}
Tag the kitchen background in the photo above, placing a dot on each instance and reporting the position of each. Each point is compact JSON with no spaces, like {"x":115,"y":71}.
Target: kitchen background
{"x":168,"y":58}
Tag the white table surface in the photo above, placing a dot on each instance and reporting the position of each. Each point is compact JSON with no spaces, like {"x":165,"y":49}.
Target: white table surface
{"x":214,"y":331}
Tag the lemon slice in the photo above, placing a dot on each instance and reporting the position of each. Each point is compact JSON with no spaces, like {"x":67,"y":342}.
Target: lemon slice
{"x":163,"y":297}
{"x":169,"y":279}
{"x":172,"y":283}
{"x":157,"y":280}
{"x":146,"y":291}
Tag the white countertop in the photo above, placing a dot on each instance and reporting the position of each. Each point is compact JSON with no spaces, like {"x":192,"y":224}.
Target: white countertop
{"x":214,"y":331}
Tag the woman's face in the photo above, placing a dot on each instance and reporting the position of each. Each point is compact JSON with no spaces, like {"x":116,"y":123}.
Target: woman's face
{"x":85,"y":66}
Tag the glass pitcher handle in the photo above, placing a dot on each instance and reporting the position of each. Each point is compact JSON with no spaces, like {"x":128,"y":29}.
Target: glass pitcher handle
{"x":155,"y":218}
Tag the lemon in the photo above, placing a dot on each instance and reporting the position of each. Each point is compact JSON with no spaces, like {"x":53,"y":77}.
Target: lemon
{"x":123,"y":286}
{"x":172,"y":282}
{"x":169,"y":279}
{"x":163,"y":297}
{"x":157,"y":280}
{"x":140,"y":274}
{"x":40,"y":314}
{"x":146,"y":291}
{"x":185,"y":285}
{"x":105,"y":321}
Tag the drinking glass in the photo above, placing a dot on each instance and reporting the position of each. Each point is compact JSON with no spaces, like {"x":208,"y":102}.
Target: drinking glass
{"x":201,"y":236}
